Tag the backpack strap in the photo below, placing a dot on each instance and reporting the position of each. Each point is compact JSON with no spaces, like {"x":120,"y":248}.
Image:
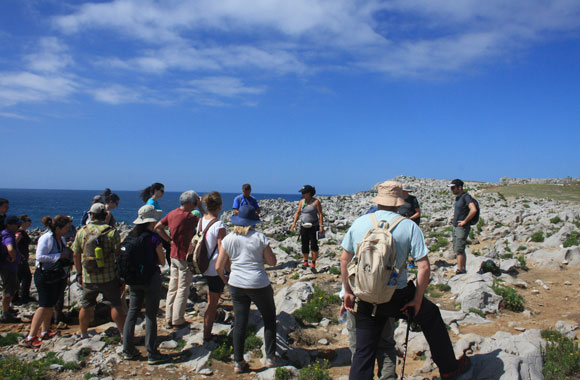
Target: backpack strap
{"x":374,"y":220}
{"x":395,"y":221}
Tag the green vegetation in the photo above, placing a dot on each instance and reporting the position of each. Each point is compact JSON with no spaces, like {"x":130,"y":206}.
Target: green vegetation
{"x":283,"y":374}
{"x":288,"y":250}
{"x":252,"y":342}
{"x":330,"y":242}
{"x":477,"y":311}
{"x":561,"y":357}
{"x":538,"y":236}
{"x":180,"y":345}
{"x":448,"y":229}
{"x":490,"y":267}
{"x":506,"y":256}
{"x":277,"y":220}
{"x":555,"y":220}
{"x":572,"y":239}
{"x":316,"y":371}
{"x":476,"y":253}
{"x":526,"y":205}
{"x":9,"y":339}
{"x":566,"y":192}
{"x":313,"y":311}
{"x":432,"y":292}
{"x":13,"y":368}
{"x":512,"y":300}
{"x":522,"y":248}
{"x":443,"y":287}
{"x":334,"y":270}
{"x":112,"y":340}
{"x":523,"y":263}
{"x":223,"y":352}
{"x":295,"y":276}
{"x":441,"y":243}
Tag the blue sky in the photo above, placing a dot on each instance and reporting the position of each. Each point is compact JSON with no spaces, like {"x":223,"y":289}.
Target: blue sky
{"x":339,"y":94}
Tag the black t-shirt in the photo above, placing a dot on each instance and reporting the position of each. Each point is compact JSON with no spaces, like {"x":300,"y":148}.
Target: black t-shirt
{"x":2,"y":225}
{"x":461,"y":208}
{"x":408,"y":209}
{"x":24,"y":243}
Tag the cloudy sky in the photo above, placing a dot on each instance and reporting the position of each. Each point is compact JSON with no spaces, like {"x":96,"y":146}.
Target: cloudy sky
{"x":340,"y":94}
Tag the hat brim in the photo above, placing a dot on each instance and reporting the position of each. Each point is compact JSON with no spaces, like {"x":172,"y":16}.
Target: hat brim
{"x":143,"y":221}
{"x":239,"y":221}
{"x":389,"y":201}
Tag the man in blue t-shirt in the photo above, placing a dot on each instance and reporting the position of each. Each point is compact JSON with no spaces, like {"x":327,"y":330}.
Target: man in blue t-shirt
{"x":370,"y":319}
{"x":464,"y":210}
{"x":245,"y":199}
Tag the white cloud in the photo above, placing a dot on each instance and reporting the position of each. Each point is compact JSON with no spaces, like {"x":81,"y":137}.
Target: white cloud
{"x":23,"y":87}
{"x":223,"y":86}
{"x":11,"y":115}
{"x":50,"y":56}
{"x":116,"y":94}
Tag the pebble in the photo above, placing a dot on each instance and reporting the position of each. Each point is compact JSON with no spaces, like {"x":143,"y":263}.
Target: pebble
{"x":535,"y":291}
{"x":206,"y":372}
{"x":323,"y":341}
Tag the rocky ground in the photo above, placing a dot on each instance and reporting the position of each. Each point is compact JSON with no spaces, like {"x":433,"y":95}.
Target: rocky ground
{"x":503,"y":344}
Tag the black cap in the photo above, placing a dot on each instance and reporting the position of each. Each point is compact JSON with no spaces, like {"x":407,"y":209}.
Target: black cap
{"x":307,"y":189}
{"x":456,"y":182}
{"x":12,"y":220}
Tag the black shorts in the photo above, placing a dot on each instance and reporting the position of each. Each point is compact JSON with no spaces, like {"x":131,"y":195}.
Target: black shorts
{"x":215,"y":284}
{"x":48,"y":294}
{"x":309,"y":240}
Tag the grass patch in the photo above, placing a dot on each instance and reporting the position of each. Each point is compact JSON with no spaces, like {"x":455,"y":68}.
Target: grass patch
{"x":561,"y":356}
{"x":9,"y":339}
{"x":522,"y":248}
{"x":523,"y":263}
{"x":537,"y":237}
{"x":295,"y":276}
{"x":441,"y":243}
{"x":316,"y":371}
{"x":555,"y":220}
{"x":512,"y":300}
{"x":477,"y":311}
{"x":283,"y":374}
{"x":312,"y":312}
{"x":13,"y":368}
{"x":288,"y":250}
{"x":114,"y":340}
{"x":566,"y":192}
{"x":443,"y":287}
{"x":572,"y":239}
{"x":252,"y":342}
{"x":506,"y":256}
{"x":334,"y":270}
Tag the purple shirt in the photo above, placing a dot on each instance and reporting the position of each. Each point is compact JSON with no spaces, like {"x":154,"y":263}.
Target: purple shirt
{"x":8,"y":238}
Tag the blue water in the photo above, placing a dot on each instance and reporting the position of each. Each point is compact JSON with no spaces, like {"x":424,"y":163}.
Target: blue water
{"x":38,"y":203}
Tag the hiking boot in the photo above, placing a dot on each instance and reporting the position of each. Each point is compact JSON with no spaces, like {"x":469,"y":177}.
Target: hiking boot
{"x":33,"y":342}
{"x":463,"y":365}
{"x":313,"y":265}
{"x":157,"y":358}
{"x":460,"y":271}
{"x":241,"y":367}
{"x":48,"y":335}
{"x":9,"y":318}
{"x":305,"y":264}
{"x":131,"y":355}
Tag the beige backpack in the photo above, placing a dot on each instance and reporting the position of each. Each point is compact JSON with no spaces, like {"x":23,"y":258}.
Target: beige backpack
{"x":373,"y":264}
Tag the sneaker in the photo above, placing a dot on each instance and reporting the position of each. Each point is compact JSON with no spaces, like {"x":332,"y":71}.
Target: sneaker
{"x":305,"y":264}
{"x":241,"y":367}
{"x":33,"y":342}
{"x":180,"y":326}
{"x":9,"y":318}
{"x":460,"y":271}
{"x":157,"y":358}
{"x":313,"y":265}
{"x":463,"y":365}
{"x":131,"y":355}
{"x":270,"y":362}
{"x":48,"y":335}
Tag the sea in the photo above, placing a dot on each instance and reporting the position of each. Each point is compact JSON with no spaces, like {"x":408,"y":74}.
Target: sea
{"x":37,"y":203}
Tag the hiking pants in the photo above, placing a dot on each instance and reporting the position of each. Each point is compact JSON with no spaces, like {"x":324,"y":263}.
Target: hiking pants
{"x":177,"y":292}
{"x":150,"y":295}
{"x":263,"y":298}
{"x":25,"y":277}
{"x":308,"y":237}
{"x":386,"y":354}
{"x":369,"y":328}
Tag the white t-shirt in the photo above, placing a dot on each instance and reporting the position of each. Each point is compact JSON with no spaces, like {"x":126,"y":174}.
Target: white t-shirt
{"x":47,"y":250}
{"x":246,"y":253}
{"x":211,"y":242}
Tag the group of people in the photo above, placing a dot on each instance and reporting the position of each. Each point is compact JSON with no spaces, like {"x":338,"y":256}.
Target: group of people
{"x":237,"y":259}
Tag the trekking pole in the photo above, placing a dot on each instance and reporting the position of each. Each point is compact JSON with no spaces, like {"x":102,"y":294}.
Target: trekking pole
{"x":410,"y":314}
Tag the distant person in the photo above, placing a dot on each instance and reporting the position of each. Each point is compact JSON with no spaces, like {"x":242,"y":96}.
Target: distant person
{"x":182,"y":226}
{"x":86,"y":215}
{"x":9,"y":261}
{"x":213,"y":240}
{"x":4,"y":206}
{"x":97,"y":275}
{"x":243,"y":254}
{"x":310,"y":214}
{"x":151,"y":194}
{"x":464,"y":210}
{"x":53,"y":261}
{"x":407,"y":298}
{"x":60,"y":318}
{"x":411,"y":210}
{"x":148,"y":293}
{"x":245,"y":198}
{"x":23,"y":241}
{"x":111,"y":202}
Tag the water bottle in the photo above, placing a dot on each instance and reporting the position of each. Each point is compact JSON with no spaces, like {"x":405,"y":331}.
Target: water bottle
{"x":342,"y":318}
{"x":99,"y":257}
{"x":393,"y":279}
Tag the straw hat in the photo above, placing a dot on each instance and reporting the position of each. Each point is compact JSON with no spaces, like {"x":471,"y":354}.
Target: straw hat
{"x":390,"y":194}
{"x":148,"y":214}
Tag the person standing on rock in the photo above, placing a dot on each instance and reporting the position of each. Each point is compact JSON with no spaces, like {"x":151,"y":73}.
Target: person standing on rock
{"x":243,"y":253}
{"x":310,"y":214}
{"x":411,"y":210}
{"x":182,"y":224}
{"x":407,"y":298}
{"x":9,"y":260}
{"x":464,"y":210}
{"x":245,"y":198}
{"x":149,"y":292}
{"x":23,"y":241}
{"x":96,"y":268}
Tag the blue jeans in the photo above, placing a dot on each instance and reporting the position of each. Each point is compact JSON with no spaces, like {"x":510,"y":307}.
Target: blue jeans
{"x":150,"y":294}
{"x":263,"y":298}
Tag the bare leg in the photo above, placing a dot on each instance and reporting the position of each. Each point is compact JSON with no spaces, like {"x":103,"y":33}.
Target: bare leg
{"x":85,"y":319}
{"x":314,"y":256}
{"x":6,"y":303}
{"x":461,"y":261}
{"x":210,"y":313}
{"x":41,"y":317}
{"x":118,"y":316}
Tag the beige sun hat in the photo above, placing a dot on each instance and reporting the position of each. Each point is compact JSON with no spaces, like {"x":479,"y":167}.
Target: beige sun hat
{"x":148,"y":214}
{"x":390,"y":194}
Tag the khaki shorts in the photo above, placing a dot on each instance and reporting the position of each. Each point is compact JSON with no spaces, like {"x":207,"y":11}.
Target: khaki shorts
{"x":111,"y":292}
{"x":460,"y":235}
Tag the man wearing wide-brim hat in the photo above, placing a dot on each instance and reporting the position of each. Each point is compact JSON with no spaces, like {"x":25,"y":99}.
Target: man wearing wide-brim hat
{"x":408,"y":297}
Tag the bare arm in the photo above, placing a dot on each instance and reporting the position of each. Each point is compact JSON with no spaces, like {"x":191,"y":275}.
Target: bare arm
{"x":223,"y":262}
{"x":297,"y":214}
{"x":269,"y":256}
{"x":416,"y":215}
{"x":160,"y":228}
{"x":472,"y":212}
{"x":78,"y":266}
{"x":423,"y":274}
{"x":11,"y":253}
{"x":348,"y":301}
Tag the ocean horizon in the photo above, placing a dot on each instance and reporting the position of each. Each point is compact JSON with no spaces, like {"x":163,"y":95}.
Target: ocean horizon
{"x":37,"y":203}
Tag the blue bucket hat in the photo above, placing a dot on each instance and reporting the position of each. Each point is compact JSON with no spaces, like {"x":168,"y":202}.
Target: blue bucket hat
{"x":246,"y":216}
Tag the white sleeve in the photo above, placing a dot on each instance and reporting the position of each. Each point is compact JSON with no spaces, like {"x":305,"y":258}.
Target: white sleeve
{"x":44,"y":250}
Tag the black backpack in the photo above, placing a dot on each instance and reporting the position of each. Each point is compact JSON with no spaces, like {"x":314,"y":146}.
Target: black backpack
{"x":131,"y":266}
{"x":475,"y":219}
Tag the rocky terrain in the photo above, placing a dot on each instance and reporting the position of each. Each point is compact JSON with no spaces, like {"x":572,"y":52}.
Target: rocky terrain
{"x":522,"y":247}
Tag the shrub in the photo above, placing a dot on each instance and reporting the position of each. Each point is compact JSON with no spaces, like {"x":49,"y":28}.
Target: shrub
{"x":561,"y":356}
{"x":9,"y":339}
{"x":312,"y":311}
{"x":506,"y":256}
{"x":523,"y":263}
{"x":512,"y":300}
{"x":334,"y":270}
{"x":572,"y":239}
{"x":522,"y":248}
{"x":526,"y":205}
{"x":441,"y":243}
{"x":283,"y":374}
{"x":316,"y":371}
{"x":295,"y":276}
{"x":490,"y":267}
{"x":443,"y":287}
{"x":252,"y":342}
{"x":538,"y":236}
{"x":12,"y":368}
{"x":555,"y":220}
{"x":501,"y":196}
{"x":222,"y":352}
{"x":477,"y":311}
